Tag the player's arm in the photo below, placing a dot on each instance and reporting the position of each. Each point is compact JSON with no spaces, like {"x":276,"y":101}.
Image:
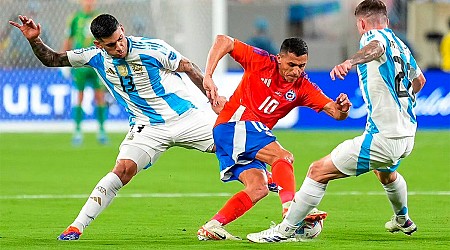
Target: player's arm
{"x":339,"y":108}
{"x":222,"y":45}
{"x":373,"y":50}
{"x":45,"y":54}
{"x":193,"y":72}
{"x":418,"y":83}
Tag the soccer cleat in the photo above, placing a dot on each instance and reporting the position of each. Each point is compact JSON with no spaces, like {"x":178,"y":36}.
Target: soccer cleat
{"x":71,"y":233}
{"x":273,"y":187}
{"x":315,"y":215}
{"x":213,"y":230}
{"x":102,"y":138}
{"x":271,"y":235}
{"x":407,"y":228}
{"x":77,"y":138}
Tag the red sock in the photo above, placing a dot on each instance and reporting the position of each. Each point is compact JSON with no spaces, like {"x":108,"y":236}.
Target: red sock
{"x":235,"y":207}
{"x":283,"y":176}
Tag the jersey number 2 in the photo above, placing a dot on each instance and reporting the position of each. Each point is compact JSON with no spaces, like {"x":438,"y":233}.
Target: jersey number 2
{"x":399,"y":79}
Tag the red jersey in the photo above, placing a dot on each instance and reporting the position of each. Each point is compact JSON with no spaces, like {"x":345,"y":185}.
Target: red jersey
{"x":263,"y":95}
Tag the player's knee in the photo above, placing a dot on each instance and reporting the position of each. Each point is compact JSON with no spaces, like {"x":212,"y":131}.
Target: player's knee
{"x":315,"y":171}
{"x":287,"y":156}
{"x":125,"y":169}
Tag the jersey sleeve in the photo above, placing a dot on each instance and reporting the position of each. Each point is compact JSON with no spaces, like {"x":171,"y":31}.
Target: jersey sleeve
{"x":249,"y":57}
{"x":165,"y":54}
{"x":82,"y":57}
{"x":313,"y":96}
{"x":372,"y":35}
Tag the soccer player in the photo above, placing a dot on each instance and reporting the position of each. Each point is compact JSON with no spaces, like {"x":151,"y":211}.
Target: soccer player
{"x":79,"y":36}
{"x":141,"y":73}
{"x":389,"y":79}
{"x":270,"y":88}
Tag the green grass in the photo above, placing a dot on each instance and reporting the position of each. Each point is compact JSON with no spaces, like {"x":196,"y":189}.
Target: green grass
{"x":46,"y":164}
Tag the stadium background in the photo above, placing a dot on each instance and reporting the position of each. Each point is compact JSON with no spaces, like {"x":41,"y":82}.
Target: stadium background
{"x":44,"y":180}
{"x":35,"y":98}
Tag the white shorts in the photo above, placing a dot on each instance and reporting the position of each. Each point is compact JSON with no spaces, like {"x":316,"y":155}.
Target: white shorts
{"x":192,"y":130}
{"x":371,"y":151}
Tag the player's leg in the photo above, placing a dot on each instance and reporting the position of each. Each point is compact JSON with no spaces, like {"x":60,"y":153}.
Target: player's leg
{"x":281,"y":161}
{"x":101,"y":110}
{"x":236,"y":146}
{"x":395,"y":185}
{"x":254,"y":178}
{"x":396,"y":189}
{"x":106,"y":189}
{"x":138,"y":151}
{"x":312,"y":190}
{"x":77,"y":110}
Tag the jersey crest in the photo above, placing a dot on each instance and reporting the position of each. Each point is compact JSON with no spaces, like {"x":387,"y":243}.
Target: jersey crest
{"x":290,"y":95}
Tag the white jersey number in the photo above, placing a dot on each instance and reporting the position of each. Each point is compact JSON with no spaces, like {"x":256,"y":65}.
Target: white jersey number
{"x":269,"y":105}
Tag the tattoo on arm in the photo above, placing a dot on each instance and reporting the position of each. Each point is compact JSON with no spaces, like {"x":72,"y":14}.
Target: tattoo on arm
{"x":48,"y":56}
{"x":368,"y":53}
{"x":193,"y":72}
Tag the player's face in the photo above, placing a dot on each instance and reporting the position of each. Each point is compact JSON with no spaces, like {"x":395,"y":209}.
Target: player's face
{"x":291,"y":66}
{"x":115,"y":45}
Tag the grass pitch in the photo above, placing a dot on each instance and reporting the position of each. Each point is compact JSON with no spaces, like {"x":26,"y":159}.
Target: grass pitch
{"x":44,"y":182}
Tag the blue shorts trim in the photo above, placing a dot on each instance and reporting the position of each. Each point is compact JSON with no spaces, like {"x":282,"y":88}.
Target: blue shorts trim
{"x":237,"y":144}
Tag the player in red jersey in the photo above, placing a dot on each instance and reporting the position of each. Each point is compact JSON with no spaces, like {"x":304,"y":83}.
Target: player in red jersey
{"x":270,"y":88}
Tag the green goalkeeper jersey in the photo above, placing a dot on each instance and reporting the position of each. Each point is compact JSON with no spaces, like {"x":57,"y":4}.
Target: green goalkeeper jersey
{"x":78,"y":29}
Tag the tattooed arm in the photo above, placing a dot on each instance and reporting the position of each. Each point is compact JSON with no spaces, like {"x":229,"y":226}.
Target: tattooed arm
{"x":48,"y":56}
{"x":45,"y":54}
{"x":193,"y":72}
{"x":370,"y":52}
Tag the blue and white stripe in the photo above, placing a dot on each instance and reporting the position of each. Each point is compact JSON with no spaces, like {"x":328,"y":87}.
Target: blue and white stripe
{"x":145,"y":82}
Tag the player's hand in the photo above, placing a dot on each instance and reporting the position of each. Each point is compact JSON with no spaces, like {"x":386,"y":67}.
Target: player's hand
{"x":341,"y":70}
{"x":211,"y":90}
{"x":343,"y":103}
{"x":220,"y":104}
{"x":29,"y":28}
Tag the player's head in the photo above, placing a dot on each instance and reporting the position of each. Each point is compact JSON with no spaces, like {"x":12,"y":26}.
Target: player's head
{"x":88,"y":6}
{"x":109,"y":35}
{"x":371,"y":14}
{"x":292,"y":58}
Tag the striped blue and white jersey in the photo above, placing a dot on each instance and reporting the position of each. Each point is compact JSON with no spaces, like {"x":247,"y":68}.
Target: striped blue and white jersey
{"x":144,"y":82}
{"x":386,"y":86}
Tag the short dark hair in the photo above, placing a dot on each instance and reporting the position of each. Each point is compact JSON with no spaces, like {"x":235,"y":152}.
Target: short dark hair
{"x":371,"y":7}
{"x":294,"y":45}
{"x":103,"y":26}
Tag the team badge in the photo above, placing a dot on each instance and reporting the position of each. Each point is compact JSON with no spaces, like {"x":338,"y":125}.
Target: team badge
{"x":122,"y":69}
{"x":290,"y":95}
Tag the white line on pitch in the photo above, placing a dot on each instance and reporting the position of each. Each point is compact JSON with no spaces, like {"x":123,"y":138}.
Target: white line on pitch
{"x":181,"y":195}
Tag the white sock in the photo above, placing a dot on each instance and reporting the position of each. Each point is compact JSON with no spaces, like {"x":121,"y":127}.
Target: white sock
{"x":100,"y":198}
{"x":305,"y":199}
{"x":397,"y":193}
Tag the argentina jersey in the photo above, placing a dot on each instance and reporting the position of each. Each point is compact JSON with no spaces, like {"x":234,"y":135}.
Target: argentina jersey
{"x":144,"y":82}
{"x":386,"y":86}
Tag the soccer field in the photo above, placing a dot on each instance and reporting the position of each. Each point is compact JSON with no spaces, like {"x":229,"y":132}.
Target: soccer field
{"x":44,"y":182}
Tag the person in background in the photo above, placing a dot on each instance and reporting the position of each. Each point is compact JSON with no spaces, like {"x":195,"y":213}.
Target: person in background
{"x":445,"y":51}
{"x":79,"y":36}
{"x":261,"y":38}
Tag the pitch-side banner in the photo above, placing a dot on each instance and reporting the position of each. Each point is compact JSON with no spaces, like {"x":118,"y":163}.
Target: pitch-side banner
{"x":35,"y":95}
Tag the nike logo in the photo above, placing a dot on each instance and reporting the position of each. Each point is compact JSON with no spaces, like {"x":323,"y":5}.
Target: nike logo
{"x":223,"y":237}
